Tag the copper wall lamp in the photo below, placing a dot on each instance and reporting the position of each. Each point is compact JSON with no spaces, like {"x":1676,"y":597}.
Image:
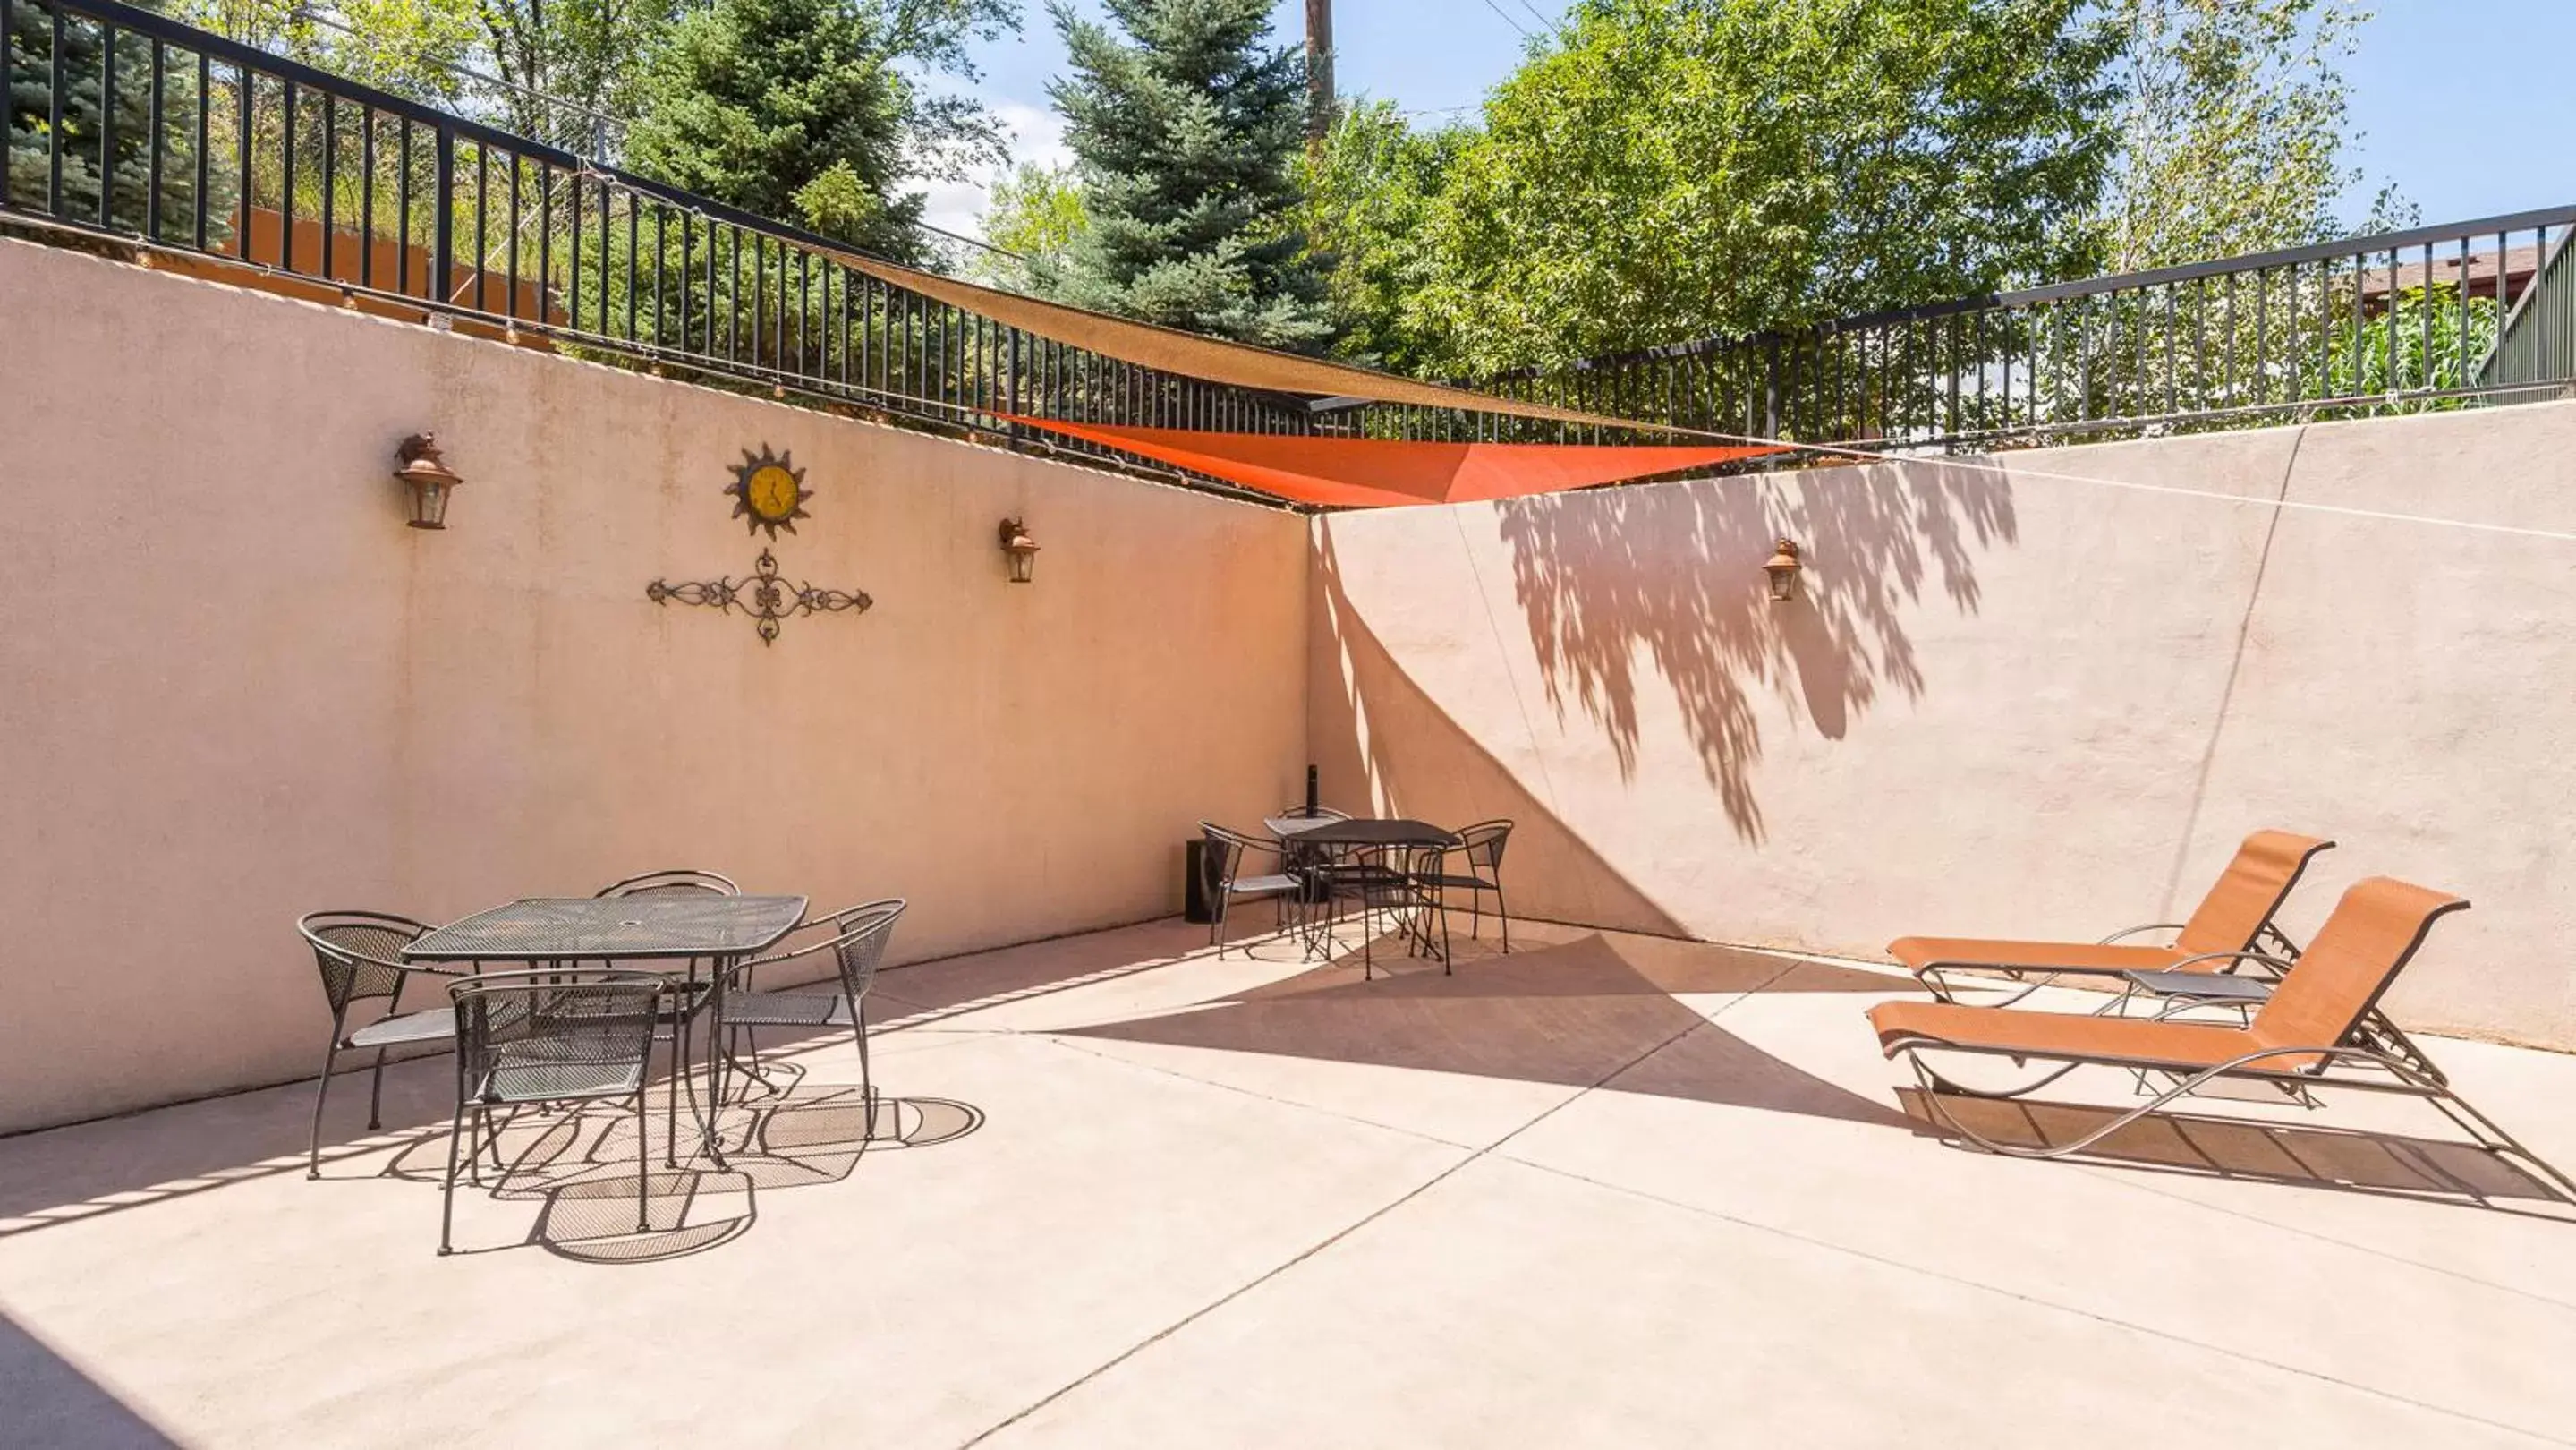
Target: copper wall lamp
{"x":428,"y":479}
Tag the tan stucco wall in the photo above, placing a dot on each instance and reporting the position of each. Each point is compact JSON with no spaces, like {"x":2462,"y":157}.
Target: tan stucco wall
{"x":2010,"y":704}
{"x":234,"y":688}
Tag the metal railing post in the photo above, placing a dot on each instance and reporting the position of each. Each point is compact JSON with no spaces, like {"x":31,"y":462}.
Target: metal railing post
{"x":442,"y":212}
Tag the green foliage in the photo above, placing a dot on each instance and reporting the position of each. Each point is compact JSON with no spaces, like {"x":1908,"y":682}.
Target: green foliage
{"x":2423,"y":339}
{"x":813,"y":110}
{"x":409,"y":47}
{"x":1667,"y":169}
{"x":1036,"y":213}
{"x":106,"y":148}
{"x":1187,"y":121}
{"x":1370,"y":190}
{"x":589,"y":52}
{"x":2232,"y":127}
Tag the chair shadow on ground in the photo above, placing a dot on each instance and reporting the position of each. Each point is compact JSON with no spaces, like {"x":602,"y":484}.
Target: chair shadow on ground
{"x":2299,"y":1155}
{"x":1584,"y":1013}
{"x":579,"y":1166}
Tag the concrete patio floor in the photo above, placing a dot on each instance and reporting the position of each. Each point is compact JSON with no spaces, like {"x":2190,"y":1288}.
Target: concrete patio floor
{"x":1610,"y":1191}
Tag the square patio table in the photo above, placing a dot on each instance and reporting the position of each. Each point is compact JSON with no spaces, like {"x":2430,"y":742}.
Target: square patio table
{"x":1358,"y":831}
{"x":1329,"y":838}
{"x":614,"y":928}
{"x":686,"y":927}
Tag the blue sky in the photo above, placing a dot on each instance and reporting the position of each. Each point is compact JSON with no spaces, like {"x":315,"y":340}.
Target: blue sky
{"x":2465,"y":104}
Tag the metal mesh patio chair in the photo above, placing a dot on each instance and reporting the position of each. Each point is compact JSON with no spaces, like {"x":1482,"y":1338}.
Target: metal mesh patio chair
{"x":857,"y":947}
{"x":666,"y":883}
{"x":1385,"y":879}
{"x":687,"y":994}
{"x":1223,"y":863}
{"x":1479,"y":850}
{"x":1298,"y":860}
{"x":550,"y":1036}
{"x":360,"y":957}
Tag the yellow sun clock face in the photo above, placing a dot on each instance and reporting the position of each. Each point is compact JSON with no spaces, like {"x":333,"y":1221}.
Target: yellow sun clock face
{"x":768,"y":491}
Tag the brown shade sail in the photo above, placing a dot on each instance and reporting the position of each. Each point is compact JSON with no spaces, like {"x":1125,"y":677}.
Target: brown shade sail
{"x":1191,"y":355}
{"x":1380,"y":473}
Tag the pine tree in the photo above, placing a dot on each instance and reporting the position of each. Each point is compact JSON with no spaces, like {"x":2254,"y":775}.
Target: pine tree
{"x":811,"y":110}
{"x":1187,"y":128}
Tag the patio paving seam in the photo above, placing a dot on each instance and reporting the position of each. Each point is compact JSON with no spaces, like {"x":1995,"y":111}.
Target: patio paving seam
{"x":1472,"y":1156}
{"x":1173,"y":1072}
{"x":2232,"y":1355}
{"x":2115,"y":1176}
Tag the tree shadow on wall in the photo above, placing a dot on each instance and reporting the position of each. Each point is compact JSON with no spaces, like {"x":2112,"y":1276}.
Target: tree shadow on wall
{"x":1672,"y":573}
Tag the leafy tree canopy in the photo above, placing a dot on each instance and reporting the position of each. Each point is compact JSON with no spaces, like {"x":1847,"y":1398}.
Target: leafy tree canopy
{"x":2232,"y":128}
{"x":1034,"y":216}
{"x":1665,"y":169}
{"x":1370,"y":190}
{"x":813,"y":110}
{"x":1186,"y":120}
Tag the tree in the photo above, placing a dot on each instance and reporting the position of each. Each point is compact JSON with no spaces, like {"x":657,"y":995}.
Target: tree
{"x":1034,"y":217}
{"x":2231,"y":129}
{"x":1668,"y":169}
{"x":812,"y":110}
{"x":92,"y":130}
{"x":1370,"y":187}
{"x":1186,"y":124}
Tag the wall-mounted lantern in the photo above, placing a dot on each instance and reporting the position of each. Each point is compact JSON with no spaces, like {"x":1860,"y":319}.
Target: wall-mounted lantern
{"x":428,"y":479}
{"x":1019,"y":549}
{"x":1783,"y":567}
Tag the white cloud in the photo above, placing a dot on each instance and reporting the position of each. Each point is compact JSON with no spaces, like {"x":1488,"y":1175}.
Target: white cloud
{"x":1037,"y":135}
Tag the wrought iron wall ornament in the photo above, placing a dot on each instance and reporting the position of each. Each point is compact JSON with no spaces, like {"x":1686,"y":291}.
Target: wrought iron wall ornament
{"x":770,"y":491}
{"x":764,"y":596}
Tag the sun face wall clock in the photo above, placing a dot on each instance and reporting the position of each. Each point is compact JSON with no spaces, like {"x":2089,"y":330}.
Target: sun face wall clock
{"x":769,"y":491}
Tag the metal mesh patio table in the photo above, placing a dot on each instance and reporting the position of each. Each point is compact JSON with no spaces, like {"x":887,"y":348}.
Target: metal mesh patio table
{"x":1359,"y":831}
{"x":1330,"y":842}
{"x":614,"y":928}
{"x":691,"y":928}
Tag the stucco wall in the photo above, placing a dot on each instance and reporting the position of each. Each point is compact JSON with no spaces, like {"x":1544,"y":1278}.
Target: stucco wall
{"x":234,"y":688}
{"x":2010,"y":704}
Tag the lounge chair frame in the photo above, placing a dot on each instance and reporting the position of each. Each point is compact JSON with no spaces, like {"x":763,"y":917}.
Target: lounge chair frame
{"x":2376,"y":1058}
{"x":2281,"y":952}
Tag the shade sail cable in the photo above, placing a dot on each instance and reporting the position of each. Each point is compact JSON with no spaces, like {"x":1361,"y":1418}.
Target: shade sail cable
{"x":1988,"y":464}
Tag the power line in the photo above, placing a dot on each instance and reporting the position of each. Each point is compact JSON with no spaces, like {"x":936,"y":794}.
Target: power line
{"x":1507,"y":19}
{"x":1544,"y":22}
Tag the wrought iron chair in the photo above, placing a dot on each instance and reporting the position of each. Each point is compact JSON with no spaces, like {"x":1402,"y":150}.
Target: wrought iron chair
{"x":1389,"y":879}
{"x":1223,"y":865}
{"x":1480,"y":847}
{"x":857,"y":945}
{"x":665,"y":883}
{"x":549,"y":1036}
{"x":686,"y":996}
{"x":1302,"y":861}
{"x":360,"y":957}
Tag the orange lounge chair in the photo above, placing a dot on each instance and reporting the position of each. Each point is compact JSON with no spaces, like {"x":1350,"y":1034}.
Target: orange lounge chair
{"x":2319,"y":1027}
{"x":2233,"y":920}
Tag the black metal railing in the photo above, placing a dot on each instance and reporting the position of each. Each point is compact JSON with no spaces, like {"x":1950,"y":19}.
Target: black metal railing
{"x":127,"y":126}
{"x":2428,"y":318}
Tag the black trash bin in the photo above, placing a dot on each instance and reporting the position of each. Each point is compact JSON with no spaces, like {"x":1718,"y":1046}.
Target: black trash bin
{"x":1194,"y":883}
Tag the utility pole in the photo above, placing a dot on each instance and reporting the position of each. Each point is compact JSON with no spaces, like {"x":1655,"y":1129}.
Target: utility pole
{"x":1319,"y":71}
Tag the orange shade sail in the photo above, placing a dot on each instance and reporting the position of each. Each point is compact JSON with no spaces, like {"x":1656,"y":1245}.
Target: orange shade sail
{"x":1382,"y":473}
